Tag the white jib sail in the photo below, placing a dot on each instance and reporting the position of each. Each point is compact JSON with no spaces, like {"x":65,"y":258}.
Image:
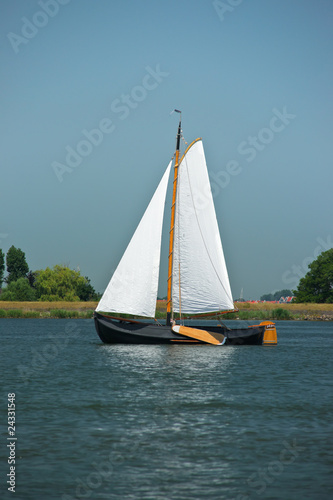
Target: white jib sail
{"x":133,"y":286}
{"x":200,"y":277}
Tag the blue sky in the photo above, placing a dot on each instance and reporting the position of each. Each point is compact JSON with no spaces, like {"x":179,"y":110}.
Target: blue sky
{"x":252,"y":78}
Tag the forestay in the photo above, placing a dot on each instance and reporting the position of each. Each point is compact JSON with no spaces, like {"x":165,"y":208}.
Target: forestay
{"x":200,"y":278}
{"x":133,"y":286}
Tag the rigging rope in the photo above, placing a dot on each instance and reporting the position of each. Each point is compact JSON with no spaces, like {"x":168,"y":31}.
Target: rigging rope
{"x":200,"y":230}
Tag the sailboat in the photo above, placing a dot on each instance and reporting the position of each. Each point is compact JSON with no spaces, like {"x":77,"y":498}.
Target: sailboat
{"x":198,"y":282}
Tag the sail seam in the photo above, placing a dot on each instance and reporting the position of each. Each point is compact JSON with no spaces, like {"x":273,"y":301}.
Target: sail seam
{"x":196,"y":216}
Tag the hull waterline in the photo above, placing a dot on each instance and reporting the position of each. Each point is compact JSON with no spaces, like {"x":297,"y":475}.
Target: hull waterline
{"x":115,"y":331}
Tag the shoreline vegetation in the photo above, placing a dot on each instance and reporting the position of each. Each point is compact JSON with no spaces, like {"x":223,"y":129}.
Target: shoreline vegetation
{"x":247,"y":311}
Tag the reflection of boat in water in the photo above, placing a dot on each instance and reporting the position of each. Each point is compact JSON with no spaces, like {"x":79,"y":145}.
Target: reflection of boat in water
{"x":198,"y":281}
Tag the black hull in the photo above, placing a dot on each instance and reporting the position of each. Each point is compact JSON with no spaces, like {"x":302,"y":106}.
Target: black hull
{"x":114,"y":331}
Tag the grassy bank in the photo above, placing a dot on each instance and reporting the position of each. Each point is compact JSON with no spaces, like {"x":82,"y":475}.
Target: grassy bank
{"x":268,"y":311}
{"x":82,"y":310}
{"x":247,"y":311}
{"x":309,"y":311}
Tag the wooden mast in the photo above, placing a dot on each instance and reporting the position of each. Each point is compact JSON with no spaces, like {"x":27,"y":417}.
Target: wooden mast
{"x":172,"y":222}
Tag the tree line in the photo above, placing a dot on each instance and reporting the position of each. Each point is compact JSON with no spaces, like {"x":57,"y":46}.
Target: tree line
{"x":62,"y":283}
{"x":57,"y":284}
{"x":317,"y":284}
{"x":269,"y":297}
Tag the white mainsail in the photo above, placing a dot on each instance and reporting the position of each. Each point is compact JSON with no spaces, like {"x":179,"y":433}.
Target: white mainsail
{"x":133,"y":286}
{"x":200,"y":280}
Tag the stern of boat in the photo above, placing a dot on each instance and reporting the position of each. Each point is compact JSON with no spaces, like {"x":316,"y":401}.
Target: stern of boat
{"x":270,"y":335}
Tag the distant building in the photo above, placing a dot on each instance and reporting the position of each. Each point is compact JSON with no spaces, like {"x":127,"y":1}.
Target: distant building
{"x":286,"y":300}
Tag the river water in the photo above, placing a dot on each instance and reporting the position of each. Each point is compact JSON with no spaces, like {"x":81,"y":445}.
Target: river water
{"x":165,"y":422}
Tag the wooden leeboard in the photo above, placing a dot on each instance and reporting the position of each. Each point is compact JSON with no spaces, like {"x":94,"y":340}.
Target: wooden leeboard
{"x":195,"y":333}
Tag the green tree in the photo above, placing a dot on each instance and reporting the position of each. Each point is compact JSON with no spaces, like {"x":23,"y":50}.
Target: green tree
{"x":17,"y":266}
{"x":2,"y":267}
{"x":317,"y":284}
{"x":59,"y":283}
{"x":277,"y":295}
{"x":18,"y":290}
{"x":268,"y":297}
{"x":282,"y":293}
{"x":86,"y":291}
{"x":31,"y":278}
